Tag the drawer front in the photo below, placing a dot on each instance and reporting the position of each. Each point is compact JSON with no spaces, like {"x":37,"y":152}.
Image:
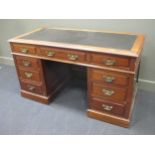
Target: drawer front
{"x":103,"y":106}
{"x":110,"y":61}
{"x":109,"y":93}
{"x":29,"y":75}
{"x":31,"y":88}
{"x":24,"y":49}
{"x":62,"y":54}
{"x":108,"y":77}
{"x":26,"y":62}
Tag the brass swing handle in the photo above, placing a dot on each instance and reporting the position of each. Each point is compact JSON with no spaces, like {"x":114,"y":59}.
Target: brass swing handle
{"x":109,"y":79}
{"x":31,"y":88}
{"x":109,"y":62}
{"x":107,"y":107}
{"x":26,"y":63}
{"x":28,"y":74}
{"x":108,"y":92}
{"x":73,"y":57}
{"x":24,"y":50}
{"x":50,"y":53}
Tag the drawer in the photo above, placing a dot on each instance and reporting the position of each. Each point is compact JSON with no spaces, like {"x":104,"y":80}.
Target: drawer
{"x":26,"y":62}
{"x":29,"y":75}
{"x":32,"y":88}
{"x":108,"y":77}
{"x":109,"y":93}
{"x":107,"y":107}
{"x":110,"y":61}
{"x":62,"y":54}
{"x":23,"y":49}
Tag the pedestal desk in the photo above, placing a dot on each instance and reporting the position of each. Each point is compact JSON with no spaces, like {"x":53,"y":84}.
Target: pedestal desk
{"x":42,"y":59}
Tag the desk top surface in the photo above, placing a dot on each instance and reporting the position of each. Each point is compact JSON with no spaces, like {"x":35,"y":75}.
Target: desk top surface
{"x":83,"y":39}
{"x":98,"y":39}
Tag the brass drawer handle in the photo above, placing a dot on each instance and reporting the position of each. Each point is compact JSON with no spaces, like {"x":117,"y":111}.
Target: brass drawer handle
{"x":24,"y":50}
{"x":50,"y":53}
{"x":109,"y":79}
{"x":26,"y":63}
{"x":31,"y":88}
{"x":73,"y":57}
{"x":107,"y":107}
{"x":109,"y":62}
{"x":108,"y":92}
{"x":28,"y":75}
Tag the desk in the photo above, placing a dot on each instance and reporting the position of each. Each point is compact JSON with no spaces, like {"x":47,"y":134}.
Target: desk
{"x":111,"y":60}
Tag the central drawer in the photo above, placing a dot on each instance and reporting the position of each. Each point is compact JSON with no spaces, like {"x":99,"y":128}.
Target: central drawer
{"x":69,"y":55}
{"x":114,"y":94}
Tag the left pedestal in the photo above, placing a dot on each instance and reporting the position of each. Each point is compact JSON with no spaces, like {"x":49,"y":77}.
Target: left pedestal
{"x":40,"y":80}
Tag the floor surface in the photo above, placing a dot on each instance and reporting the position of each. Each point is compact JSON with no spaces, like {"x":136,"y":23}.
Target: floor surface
{"x":66,"y":114}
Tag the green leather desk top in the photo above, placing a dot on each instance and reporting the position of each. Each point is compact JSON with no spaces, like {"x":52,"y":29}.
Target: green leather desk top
{"x":96,"y":39}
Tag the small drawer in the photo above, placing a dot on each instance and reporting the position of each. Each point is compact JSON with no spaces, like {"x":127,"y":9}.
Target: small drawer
{"x":62,"y":54}
{"x":30,"y":75}
{"x":107,"y":107}
{"x":31,"y":88}
{"x":109,"y":93}
{"x":23,"y":49}
{"x":27,"y":62}
{"x":110,"y":61}
{"x":108,"y":77}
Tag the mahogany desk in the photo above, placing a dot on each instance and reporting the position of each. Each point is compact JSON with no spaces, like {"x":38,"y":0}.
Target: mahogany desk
{"x":42,"y":59}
